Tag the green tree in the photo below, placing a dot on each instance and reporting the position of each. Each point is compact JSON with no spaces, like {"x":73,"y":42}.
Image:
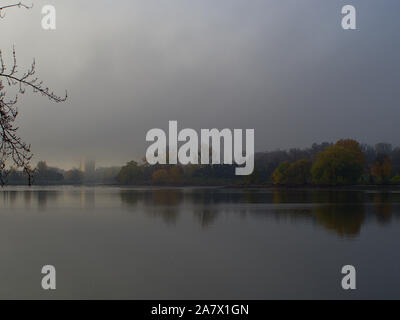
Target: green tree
{"x":130,"y":173}
{"x":396,"y":179}
{"x":299,"y":172}
{"x":338,"y":165}
{"x":279,"y":176}
{"x":296,"y":173}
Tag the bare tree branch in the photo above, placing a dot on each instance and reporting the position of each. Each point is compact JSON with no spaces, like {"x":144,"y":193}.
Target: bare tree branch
{"x":26,"y":79}
{"x":18,"y":5}
{"x":12,"y":148}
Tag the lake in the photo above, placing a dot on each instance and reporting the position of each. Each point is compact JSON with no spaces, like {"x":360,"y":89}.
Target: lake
{"x":198,"y":243}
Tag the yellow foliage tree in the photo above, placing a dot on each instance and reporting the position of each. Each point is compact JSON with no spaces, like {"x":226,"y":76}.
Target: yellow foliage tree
{"x":160,"y":176}
{"x":382,"y":169}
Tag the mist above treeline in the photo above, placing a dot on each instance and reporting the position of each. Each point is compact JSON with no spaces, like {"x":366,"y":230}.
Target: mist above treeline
{"x":345,"y":162}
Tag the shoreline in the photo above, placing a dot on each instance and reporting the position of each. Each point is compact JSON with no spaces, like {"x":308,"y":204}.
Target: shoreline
{"x":220,"y":186}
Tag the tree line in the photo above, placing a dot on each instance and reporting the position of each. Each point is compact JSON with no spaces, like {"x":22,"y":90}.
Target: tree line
{"x":345,"y":162}
{"x":43,"y":174}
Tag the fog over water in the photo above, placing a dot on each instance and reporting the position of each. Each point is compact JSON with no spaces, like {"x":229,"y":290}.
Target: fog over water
{"x":285,"y":68}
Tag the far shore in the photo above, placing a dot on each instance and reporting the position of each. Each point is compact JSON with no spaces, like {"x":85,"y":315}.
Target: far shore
{"x":223,"y":186}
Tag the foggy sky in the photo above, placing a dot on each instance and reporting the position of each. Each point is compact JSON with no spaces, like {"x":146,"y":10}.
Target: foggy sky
{"x":284,"y":68}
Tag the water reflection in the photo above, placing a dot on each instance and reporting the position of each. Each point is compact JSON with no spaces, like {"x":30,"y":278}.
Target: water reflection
{"x":156,"y":203}
{"x":337,"y":211}
{"x":344,"y":219}
{"x":383,"y":207}
{"x":343,"y":212}
{"x":206,"y":216}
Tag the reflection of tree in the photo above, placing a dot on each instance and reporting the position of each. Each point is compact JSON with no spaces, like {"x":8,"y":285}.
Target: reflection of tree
{"x":88,"y":199}
{"x":130,"y":198}
{"x":344,"y":219}
{"x":9,"y":197}
{"x":167,"y":197}
{"x":317,"y":196}
{"x":28,"y":198}
{"x":206,"y":216}
{"x":162,"y":203}
{"x":43,"y":196}
{"x":169,"y":215}
{"x":251,"y":196}
{"x":291,"y":196}
{"x":383,"y":207}
{"x":16,"y":197}
{"x":209,"y":197}
{"x":340,"y":211}
{"x":166,"y":203}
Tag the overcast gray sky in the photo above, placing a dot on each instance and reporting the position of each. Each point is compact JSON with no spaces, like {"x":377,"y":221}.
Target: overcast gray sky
{"x":285,"y":68}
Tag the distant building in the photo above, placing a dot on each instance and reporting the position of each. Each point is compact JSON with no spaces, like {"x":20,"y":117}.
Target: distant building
{"x":88,"y":167}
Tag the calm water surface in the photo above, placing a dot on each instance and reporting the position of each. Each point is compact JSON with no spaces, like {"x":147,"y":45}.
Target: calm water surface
{"x":194,"y":243}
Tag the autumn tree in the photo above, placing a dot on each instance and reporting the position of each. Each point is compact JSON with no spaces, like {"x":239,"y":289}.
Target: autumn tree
{"x":381,"y":169}
{"x":172,"y":175}
{"x":296,"y":173}
{"x":175,"y":174}
{"x":279,"y":176}
{"x":300,"y":172}
{"x":342,"y":163}
{"x":160,"y":176}
{"x":13,"y":150}
{"x":353,"y":146}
